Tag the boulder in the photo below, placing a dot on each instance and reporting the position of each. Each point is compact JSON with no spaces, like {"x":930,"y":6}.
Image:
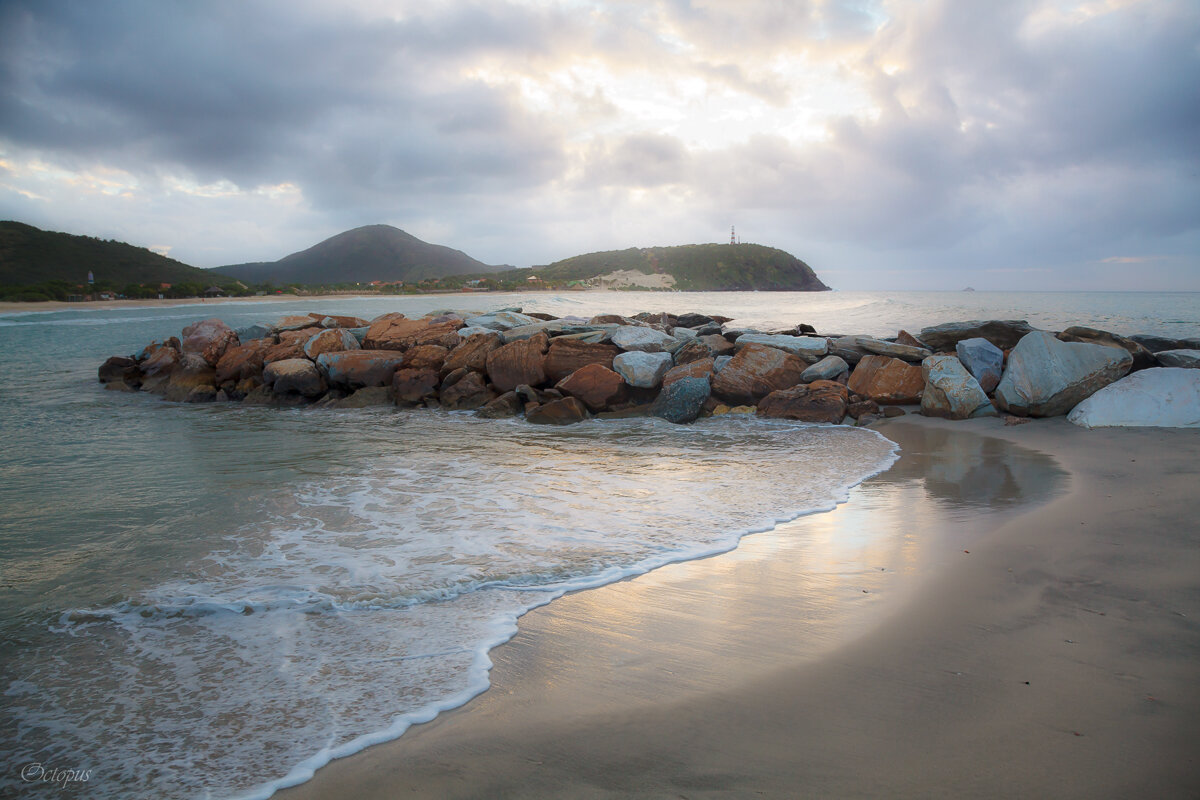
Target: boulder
{"x":472,"y":352}
{"x":251,"y":332}
{"x":204,"y":393}
{"x":335,"y":321}
{"x":951,"y":391}
{"x":646,"y":340}
{"x":847,"y":349}
{"x":819,"y":401}
{"x":529,"y":331}
{"x":863,"y":408}
{"x":983,"y":360}
{"x":1142,"y":358}
{"x":412,"y":386}
{"x":209,"y":338}
{"x":282,"y":351}
{"x":295,"y":323}
{"x":692,"y":351}
{"x":615,"y":319}
{"x":157,"y":368}
{"x":893,"y":349}
{"x":501,"y":320}
{"x":683,"y":400}
{"x":294,"y":376}
{"x":1166,"y":397}
{"x":695,"y":369}
{"x":756,"y":371}
{"x":692,"y":320}
{"x":827,"y":369}
{"x":887,"y":381}
{"x":565,"y":356}
{"x":504,"y":406}
{"x":397,"y":332}
{"x":192,"y":371}
{"x":366,"y":397}
{"x":119,"y":369}
{"x":1004,"y":333}
{"x":719,"y":363}
{"x":558,"y":412}
{"x":717,"y":344}
{"x":1156,"y":344}
{"x":1184,"y":359}
{"x":904,"y":337}
{"x":1046,"y":377}
{"x":468,"y":392}
{"x":353,"y":369}
{"x":596,"y":385}
{"x":809,"y":348}
{"x":642,"y":369}
{"x":515,"y":363}
{"x":426,"y":356}
{"x":332,"y":340}
{"x":242,"y":362}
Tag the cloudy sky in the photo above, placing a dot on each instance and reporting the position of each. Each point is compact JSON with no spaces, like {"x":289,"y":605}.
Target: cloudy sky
{"x":923,"y":144}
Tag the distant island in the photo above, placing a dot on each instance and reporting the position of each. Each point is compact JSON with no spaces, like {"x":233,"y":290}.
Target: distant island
{"x":37,"y":265}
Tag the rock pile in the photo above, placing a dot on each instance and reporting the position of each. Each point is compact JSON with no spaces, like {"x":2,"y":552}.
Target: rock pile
{"x":678,"y":367}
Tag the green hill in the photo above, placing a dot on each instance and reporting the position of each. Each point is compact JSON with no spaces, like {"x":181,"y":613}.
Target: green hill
{"x":695,"y":267}
{"x":361,"y":255}
{"x":30,"y":256}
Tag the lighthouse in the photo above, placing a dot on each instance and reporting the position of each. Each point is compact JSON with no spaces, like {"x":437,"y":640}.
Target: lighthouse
{"x":732,"y":235}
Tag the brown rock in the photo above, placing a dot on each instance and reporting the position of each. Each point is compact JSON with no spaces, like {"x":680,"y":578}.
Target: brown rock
{"x":295,"y":337}
{"x":515,"y":363}
{"x":692,"y":351}
{"x":892,"y":412}
{"x":861,"y":408}
{"x":119,"y":369}
{"x":210,"y":338}
{"x":1142,"y":358}
{"x":426,"y":356}
{"x":596,"y":385}
{"x":906,"y":338}
{"x":558,"y":412}
{"x":398,"y":332}
{"x":887,"y":381}
{"x":471,"y":353}
{"x":692,"y":369}
{"x":468,"y":392}
{"x":296,"y":322}
{"x":157,"y":369}
{"x":242,"y":362}
{"x":506,"y":405}
{"x":411,"y":386}
{"x":755,"y":372}
{"x":717,"y":344}
{"x":334,"y":321}
{"x":332,"y":340}
{"x":819,"y":401}
{"x":566,"y":356}
{"x":193,"y":371}
{"x":282,"y":352}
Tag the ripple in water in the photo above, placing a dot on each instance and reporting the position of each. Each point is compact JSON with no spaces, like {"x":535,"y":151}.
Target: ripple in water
{"x":367,"y":601}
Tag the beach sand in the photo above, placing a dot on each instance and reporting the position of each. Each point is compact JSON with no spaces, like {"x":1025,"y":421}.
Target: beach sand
{"x":1032,"y":630}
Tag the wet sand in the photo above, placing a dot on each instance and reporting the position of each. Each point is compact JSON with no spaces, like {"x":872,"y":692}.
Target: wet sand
{"x":1009,"y":611}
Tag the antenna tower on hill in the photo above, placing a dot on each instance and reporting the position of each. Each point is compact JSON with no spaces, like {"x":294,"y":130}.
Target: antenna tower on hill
{"x":732,"y":236}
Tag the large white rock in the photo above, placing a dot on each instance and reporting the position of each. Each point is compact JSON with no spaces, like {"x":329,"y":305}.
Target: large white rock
{"x":951,"y":391}
{"x":501,"y":320}
{"x":645,"y":370}
{"x":1164,"y":397}
{"x":1045,"y":377}
{"x":646,"y":340}
{"x":809,"y":348}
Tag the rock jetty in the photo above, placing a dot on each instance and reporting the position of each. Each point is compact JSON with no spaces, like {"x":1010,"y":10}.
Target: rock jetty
{"x":558,"y":371}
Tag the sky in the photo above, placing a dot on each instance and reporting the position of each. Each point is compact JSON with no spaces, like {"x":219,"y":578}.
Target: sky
{"x":908,"y":144}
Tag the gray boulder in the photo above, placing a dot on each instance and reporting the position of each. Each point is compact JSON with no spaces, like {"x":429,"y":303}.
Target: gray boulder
{"x":645,"y":370}
{"x":501,"y":320}
{"x":1156,"y":344}
{"x":1004,"y":333}
{"x":645,"y":340}
{"x":827,"y":369}
{"x":250,"y":332}
{"x":1184,"y":359}
{"x":719,"y":363}
{"x":682,"y":401}
{"x":1046,"y":377}
{"x":903,"y":352}
{"x":983,"y":360}
{"x":809,"y":348}
{"x":951,"y":391}
{"x":1159,"y":397}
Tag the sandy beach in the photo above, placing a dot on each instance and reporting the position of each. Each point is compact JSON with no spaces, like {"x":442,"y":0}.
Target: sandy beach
{"x":1035,"y":635}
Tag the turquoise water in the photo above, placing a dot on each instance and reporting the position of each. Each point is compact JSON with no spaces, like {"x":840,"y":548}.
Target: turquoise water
{"x":188,"y":589}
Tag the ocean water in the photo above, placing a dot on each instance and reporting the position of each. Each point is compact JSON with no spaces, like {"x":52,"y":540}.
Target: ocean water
{"x":188,"y":590}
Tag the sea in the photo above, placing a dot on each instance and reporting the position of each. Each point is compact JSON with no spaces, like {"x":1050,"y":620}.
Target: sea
{"x":188,"y":590}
